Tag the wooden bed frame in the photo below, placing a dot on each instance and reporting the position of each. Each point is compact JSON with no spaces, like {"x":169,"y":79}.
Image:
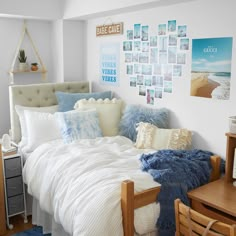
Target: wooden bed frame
{"x":43,"y":95}
{"x":131,"y":200}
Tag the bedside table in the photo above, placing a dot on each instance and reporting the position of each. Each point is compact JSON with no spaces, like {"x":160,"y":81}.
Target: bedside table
{"x":15,"y":202}
{"x":216,"y":200}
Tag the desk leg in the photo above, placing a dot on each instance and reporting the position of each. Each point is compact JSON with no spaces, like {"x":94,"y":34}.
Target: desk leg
{"x":203,"y":209}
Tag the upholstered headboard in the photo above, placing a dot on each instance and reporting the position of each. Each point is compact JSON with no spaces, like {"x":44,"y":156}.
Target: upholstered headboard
{"x":38,"y":95}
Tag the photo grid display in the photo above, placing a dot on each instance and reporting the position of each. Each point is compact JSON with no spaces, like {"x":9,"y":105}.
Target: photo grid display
{"x":153,"y":61}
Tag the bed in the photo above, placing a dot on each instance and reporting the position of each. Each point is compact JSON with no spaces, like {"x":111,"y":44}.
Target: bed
{"x":43,"y":95}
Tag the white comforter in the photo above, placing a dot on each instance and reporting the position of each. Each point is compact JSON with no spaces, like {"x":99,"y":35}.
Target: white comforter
{"x":79,"y":184}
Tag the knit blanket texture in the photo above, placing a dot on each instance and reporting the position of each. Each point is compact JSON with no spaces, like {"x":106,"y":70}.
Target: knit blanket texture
{"x":178,"y":171}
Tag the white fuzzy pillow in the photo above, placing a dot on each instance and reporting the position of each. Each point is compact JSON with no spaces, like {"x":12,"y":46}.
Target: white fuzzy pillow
{"x":150,"y":136}
{"x":109,"y":113}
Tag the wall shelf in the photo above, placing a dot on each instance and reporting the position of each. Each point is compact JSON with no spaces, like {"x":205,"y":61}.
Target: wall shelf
{"x":28,"y":71}
{"x":14,"y":71}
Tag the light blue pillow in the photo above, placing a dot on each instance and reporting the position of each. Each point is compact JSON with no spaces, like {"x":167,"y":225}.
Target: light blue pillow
{"x":66,"y":101}
{"x":133,"y":114}
{"x":78,"y":125}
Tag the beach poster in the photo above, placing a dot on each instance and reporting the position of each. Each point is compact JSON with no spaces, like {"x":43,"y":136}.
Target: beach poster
{"x":211,"y":67}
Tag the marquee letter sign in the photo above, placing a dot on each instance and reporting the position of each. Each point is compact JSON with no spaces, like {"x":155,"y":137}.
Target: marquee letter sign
{"x":112,"y":29}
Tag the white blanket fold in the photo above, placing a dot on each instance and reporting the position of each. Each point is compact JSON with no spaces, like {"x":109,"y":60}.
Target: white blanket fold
{"x":80,"y":184}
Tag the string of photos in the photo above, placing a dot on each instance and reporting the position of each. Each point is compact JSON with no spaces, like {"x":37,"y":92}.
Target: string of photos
{"x":154,"y":61}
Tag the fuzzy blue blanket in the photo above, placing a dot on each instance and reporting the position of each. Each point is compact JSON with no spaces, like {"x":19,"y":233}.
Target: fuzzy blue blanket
{"x":178,"y":171}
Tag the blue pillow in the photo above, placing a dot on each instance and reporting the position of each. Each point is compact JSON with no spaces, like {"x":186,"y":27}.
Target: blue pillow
{"x":66,"y":101}
{"x":133,"y":114}
{"x":78,"y":125}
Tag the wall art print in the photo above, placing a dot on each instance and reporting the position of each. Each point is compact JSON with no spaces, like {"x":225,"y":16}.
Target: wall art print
{"x":109,"y":63}
{"x":211,"y":67}
{"x":155,"y":57}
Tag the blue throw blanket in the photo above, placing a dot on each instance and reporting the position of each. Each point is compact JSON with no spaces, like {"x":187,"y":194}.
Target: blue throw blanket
{"x":178,"y":171}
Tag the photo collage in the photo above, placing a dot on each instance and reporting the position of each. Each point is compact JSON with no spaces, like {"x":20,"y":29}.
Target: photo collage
{"x":154,"y":60}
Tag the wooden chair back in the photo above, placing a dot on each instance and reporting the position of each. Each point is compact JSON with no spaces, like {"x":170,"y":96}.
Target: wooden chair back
{"x":192,"y":223}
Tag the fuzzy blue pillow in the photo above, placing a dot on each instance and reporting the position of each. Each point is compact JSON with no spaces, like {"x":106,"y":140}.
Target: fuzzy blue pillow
{"x":133,"y":114}
{"x":78,"y":125}
{"x":66,"y":101}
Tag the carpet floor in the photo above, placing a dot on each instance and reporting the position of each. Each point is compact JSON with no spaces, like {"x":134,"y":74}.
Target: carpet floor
{"x":35,"y":231}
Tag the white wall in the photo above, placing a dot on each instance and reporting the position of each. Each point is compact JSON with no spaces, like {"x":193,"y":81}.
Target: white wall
{"x":74,"y":56}
{"x":204,"y":18}
{"x":57,"y":51}
{"x":90,"y":8}
{"x":41,"y":33}
{"x":42,"y":9}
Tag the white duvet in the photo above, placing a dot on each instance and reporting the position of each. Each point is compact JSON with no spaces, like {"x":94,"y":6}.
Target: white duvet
{"x":79,"y":184}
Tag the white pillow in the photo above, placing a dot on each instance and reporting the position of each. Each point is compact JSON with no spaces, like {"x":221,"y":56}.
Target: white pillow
{"x":41,"y":128}
{"x":20,"y":112}
{"x":109,"y":113}
{"x":150,"y":136}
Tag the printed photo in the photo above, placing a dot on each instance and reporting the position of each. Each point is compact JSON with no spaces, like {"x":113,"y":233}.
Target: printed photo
{"x":168,"y":86}
{"x":148,"y":80}
{"x":153,"y":55}
{"x":140,"y":79}
{"x":145,"y":46}
{"x":154,"y":80}
{"x":137,"y":68}
{"x":145,"y":33}
{"x":167,"y":72}
{"x":127,"y":46}
{"x":184,"y":44}
{"x":137,"y":30}
{"x":211,"y":67}
{"x":135,"y":56}
{"x":162,"y":29}
{"x":163,"y":58}
{"x":172,"y":40}
{"x":129,"y":69}
{"x":147,"y":69}
{"x":162,"y":44}
{"x":128,"y":57}
{"x":182,"y":31}
{"x":172,"y":54}
{"x":133,"y":81}
{"x":153,"y":41}
{"x":157,"y":69}
{"x":130,"y":34}
{"x":181,"y":58}
{"x":158,"y":92}
{"x":150,"y":96}
{"x":172,"y":25}
{"x":137,"y":45}
{"x":160,"y":81}
{"x":144,"y":57}
{"x":142,"y":90}
{"x":177,"y":70}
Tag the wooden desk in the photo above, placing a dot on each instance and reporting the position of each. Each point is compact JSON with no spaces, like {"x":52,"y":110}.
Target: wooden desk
{"x":216,"y":200}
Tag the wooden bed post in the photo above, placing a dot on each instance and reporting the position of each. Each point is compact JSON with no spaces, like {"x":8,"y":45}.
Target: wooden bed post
{"x":215,"y":163}
{"x":127,"y":205}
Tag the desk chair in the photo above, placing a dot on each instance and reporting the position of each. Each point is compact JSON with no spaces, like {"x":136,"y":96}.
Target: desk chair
{"x":191,"y":223}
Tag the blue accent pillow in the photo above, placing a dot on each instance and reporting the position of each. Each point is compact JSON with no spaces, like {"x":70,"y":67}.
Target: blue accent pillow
{"x":66,"y":101}
{"x":78,"y":125}
{"x":133,"y":114}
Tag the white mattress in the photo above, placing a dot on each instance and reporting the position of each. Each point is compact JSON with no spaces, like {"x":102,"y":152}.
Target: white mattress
{"x":79,"y":184}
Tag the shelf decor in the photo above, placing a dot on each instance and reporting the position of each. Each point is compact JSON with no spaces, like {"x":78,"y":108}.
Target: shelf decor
{"x":18,"y":52}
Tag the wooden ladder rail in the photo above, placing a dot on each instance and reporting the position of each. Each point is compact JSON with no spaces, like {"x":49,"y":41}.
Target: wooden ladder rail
{"x":131,"y":201}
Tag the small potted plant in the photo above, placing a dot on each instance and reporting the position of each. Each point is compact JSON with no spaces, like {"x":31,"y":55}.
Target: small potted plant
{"x":23,"y":66}
{"x":34,"y":66}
